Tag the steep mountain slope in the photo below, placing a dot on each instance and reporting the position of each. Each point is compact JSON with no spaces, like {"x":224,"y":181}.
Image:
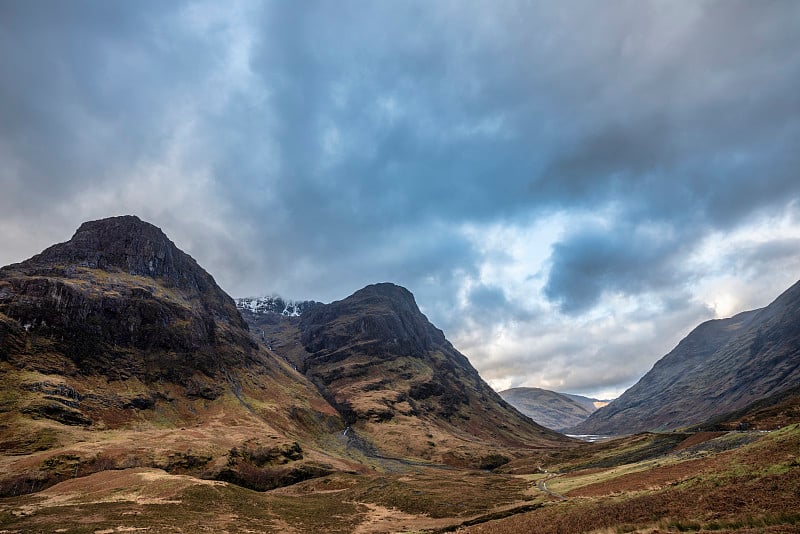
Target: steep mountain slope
{"x":401,"y":386}
{"x":549,"y":408}
{"x":118,"y":292}
{"x":276,"y":323}
{"x":772,"y":412}
{"x":721,"y":366}
{"x":117,"y":337}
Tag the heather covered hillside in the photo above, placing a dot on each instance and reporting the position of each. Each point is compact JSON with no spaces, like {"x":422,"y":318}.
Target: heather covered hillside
{"x":135,"y":396}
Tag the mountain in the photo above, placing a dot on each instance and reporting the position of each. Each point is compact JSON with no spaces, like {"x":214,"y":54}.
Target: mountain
{"x":134,"y":396}
{"x":402,"y":387}
{"x":118,"y":350}
{"x":120,"y":287}
{"x":550,"y":409}
{"x":721,"y":366}
{"x":118,"y":345}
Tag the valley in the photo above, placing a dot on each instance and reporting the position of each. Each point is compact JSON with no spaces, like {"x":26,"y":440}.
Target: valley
{"x":138,"y":396}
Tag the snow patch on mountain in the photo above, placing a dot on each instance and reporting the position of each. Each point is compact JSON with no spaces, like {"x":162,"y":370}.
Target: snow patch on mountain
{"x":274,"y":304}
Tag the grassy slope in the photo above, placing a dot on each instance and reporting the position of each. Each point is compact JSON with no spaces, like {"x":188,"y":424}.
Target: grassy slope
{"x":735,"y":482}
{"x":704,"y":487}
{"x":139,"y":402}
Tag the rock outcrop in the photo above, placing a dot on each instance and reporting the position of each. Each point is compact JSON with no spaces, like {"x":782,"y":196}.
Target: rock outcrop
{"x":121,"y":297}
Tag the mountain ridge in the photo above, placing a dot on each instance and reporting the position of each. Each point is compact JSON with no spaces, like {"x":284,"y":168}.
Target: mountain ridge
{"x":721,"y":366}
{"x":376,"y":358}
{"x":118,"y":349}
{"x":164,"y":412}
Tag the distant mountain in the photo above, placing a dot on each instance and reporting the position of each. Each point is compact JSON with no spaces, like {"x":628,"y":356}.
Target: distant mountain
{"x":590,"y":402}
{"x":550,"y":409}
{"x":116,"y":344}
{"x":401,"y":386}
{"x":720,"y":367}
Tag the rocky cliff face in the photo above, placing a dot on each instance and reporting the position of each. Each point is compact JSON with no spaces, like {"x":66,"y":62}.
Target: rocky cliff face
{"x":130,"y":245}
{"x":721,"y":366}
{"x":115,"y":296}
{"x":378,"y":327}
{"x":117,"y":329}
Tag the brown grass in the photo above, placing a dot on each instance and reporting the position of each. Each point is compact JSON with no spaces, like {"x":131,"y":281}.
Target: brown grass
{"x":154,"y":499}
{"x":755,"y":488}
{"x":740,"y":503}
{"x":696,"y":439}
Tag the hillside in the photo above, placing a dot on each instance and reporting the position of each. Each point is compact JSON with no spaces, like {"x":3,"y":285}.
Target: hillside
{"x":720,"y":367}
{"x":550,"y":409}
{"x":116,"y":348}
{"x":769,"y":413}
{"x":400,"y":385}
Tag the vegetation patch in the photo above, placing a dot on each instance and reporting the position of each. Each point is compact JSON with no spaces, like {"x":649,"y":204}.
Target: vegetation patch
{"x":267,"y":478}
{"x":493,"y":461}
{"x":441,"y":494}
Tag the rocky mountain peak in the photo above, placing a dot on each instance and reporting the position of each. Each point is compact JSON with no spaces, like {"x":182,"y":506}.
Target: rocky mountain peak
{"x":384,"y":313}
{"x":377,"y":359}
{"x":121,"y":291}
{"x":386,"y":291}
{"x":128,"y":244}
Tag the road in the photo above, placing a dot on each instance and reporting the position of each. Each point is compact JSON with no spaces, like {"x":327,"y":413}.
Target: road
{"x":542,"y":486}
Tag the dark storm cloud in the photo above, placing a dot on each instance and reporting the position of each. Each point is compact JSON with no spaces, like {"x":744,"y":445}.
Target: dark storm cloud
{"x":681,"y":129}
{"x":313,"y":149}
{"x":406,"y":109}
{"x":441,"y":112}
{"x":622,"y":259}
{"x":81,"y":95}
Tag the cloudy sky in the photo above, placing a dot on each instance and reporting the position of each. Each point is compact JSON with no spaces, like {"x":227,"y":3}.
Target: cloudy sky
{"x":568,"y":188}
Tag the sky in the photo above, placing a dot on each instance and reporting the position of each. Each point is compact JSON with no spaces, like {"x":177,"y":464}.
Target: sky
{"x":568,"y":188}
